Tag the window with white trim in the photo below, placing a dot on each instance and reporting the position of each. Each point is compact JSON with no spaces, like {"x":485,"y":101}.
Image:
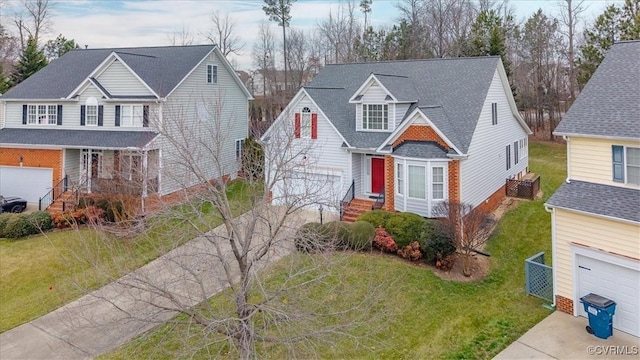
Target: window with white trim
{"x":131,"y":115}
{"x":239,"y":149}
{"x":305,"y":123}
{"x":400,"y":179}
{"x":522,"y":146}
{"x":437,"y":183}
{"x":42,"y":114}
{"x":375,"y":116}
{"x":626,"y":164}
{"x":212,"y":74}
{"x":91,"y":114}
{"x":417,"y":179}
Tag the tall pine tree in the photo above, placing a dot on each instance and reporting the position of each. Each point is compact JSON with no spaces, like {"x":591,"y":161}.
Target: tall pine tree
{"x":31,"y":60}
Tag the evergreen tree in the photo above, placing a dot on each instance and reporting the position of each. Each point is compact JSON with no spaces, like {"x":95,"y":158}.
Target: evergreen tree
{"x":5,"y":82}
{"x":31,"y":60}
{"x":614,"y":24}
{"x":59,"y":46}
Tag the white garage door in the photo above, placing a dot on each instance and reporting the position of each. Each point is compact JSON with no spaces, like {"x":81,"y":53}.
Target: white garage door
{"x":310,"y":190}
{"x":27,"y":183}
{"x":617,"y":283}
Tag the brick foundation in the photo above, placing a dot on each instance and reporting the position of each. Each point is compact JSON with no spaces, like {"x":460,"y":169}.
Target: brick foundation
{"x":563,"y":304}
{"x":493,"y":201}
{"x":38,"y":158}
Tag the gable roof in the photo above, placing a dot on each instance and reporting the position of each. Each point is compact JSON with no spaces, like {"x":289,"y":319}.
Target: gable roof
{"x":458,"y":85}
{"x":597,"y":199}
{"x":161,"y":68}
{"x":609,"y":105}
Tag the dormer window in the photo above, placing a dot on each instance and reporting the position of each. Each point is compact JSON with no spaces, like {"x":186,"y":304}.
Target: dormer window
{"x":306,"y":124}
{"x":375,"y":116}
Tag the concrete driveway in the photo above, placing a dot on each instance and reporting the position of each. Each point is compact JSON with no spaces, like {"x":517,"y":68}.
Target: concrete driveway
{"x":562,"y":336}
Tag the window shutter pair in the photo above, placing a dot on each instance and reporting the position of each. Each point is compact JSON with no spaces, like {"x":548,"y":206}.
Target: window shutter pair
{"x":145,"y":115}
{"x":24,"y":115}
{"x":314,"y":125}
{"x":83,"y":113}
{"x":618,"y":163}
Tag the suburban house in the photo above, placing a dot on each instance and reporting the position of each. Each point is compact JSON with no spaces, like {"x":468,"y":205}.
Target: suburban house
{"x":595,"y":214}
{"x":406,"y":135}
{"x":97,"y":118}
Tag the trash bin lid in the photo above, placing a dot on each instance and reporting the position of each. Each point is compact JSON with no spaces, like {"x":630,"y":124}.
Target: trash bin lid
{"x":597,"y":300}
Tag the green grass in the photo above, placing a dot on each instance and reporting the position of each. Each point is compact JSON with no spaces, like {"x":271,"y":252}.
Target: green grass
{"x":430,"y":317}
{"x":38,"y":274}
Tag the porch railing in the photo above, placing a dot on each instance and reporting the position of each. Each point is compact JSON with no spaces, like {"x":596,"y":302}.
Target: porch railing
{"x":379,"y":201}
{"x":53,"y":194}
{"x":348,"y":197}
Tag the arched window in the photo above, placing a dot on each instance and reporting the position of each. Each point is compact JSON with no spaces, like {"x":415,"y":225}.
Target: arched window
{"x":91,"y":112}
{"x":305,"y":123}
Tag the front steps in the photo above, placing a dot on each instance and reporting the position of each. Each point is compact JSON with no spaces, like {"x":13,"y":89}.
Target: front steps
{"x":58,"y":206}
{"x":356,"y":208}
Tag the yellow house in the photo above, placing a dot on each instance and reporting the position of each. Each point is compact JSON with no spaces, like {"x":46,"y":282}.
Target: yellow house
{"x":595,"y":215}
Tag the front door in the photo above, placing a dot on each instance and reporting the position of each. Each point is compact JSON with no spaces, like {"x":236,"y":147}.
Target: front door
{"x":377,"y":175}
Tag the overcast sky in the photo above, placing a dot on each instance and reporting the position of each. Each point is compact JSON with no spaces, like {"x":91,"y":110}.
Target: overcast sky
{"x":116,"y":23}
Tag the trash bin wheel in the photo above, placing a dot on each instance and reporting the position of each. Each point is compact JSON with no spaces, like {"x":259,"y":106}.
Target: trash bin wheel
{"x":589,"y":329}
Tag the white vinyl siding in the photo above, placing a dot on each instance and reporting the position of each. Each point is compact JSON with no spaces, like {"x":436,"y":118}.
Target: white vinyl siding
{"x":375,"y":95}
{"x":356,"y":171}
{"x":399,"y":112}
{"x":400,"y":179}
{"x":119,"y":81}
{"x":211,"y":142}
{"x":485,"y":171}
{"x":591,"y":160}
{"x":72,"y":164}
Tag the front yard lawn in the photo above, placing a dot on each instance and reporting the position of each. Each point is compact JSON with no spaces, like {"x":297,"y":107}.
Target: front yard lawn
{"x":41,"y":273}
{"x":434,"y":318}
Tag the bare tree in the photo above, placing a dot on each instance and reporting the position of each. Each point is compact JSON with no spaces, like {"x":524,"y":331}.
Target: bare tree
{"x":33,"y":21}
{"x":181,"y":37}
{"x":339,"y":31}
{"x":298,"y":57}
{"x":254,"y":312}
{"x":224,"y":34}
{"x":570,"y":13}
{"x":469,"y":228}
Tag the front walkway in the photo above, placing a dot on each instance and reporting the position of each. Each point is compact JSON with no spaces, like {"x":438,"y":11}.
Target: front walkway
{"x":109,"y":317}
{"x":562,"y":336}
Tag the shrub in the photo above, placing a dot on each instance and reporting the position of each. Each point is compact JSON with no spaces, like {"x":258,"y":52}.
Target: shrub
{"x":63,"y":220}
{"x":41,"y":220}
{"x":362,"y":234}
{"x":338,"y":234}
{"x":411,"y":252}
{"x":377,"y":218}
{"x":384,"y":241}
{"x":405,"y":228}
{"x":85,"y":201}
{"x":312,"y":237}
{"x":445,"y":263}
{"x":4,"y":219}
{"x":438,"y":246}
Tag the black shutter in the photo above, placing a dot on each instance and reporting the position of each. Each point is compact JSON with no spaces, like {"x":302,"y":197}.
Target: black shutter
{"x":59,"y":115}
{"x":83,"y":111}
{"x":145,"y":116}
{"x":117,"y":115}
{"x":100,"y":115}
{"x":24,"y":114}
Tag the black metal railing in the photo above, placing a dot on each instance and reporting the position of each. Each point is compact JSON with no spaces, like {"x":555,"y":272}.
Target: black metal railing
{"x":348,"y":197}
{"x":53,"y":194}
{"x":379,"y":201}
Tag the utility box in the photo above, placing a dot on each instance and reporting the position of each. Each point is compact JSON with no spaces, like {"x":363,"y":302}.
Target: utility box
{"x":600,"y":311}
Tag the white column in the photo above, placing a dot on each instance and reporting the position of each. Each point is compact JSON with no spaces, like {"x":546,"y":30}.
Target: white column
{"x":145,"y":172}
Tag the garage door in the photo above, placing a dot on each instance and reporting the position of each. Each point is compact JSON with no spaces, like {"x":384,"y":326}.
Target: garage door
{"x":615,"y":282}
{"x":27,"y":183}
{"x":310,"y":190}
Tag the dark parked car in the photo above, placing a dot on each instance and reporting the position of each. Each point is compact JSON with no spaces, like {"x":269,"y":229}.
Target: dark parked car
{"x":12,"y":204}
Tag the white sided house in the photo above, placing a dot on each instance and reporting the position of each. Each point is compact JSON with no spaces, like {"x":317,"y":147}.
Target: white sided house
{"x":595,"y":214}
{"x":120,"y":119}
{"x":405,"y":134}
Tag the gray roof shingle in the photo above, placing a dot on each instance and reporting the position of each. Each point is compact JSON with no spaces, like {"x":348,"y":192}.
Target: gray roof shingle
{"x":77,"y":138}
{"x":605,"y":200}
{"x":162,"y":68}
{"x":458,"y":85}
{"x":420,"y":150}
{"x":609,"y":105}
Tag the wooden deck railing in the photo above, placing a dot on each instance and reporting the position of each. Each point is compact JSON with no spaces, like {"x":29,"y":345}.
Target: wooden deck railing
{"x":525,"y":189}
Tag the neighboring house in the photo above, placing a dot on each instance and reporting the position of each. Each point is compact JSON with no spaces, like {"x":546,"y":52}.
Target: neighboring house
{"x":595,"y":215}
{"x":99,"y":116}
{"x":271,"y":82}
{"x":413,"y":133}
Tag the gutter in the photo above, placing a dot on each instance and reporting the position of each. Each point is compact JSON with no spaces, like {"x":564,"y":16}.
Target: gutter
{"x":568,"y":140}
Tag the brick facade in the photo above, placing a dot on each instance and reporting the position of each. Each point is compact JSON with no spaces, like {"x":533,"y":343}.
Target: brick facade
{"x":454,"y":180}
{"x":40,"y":158}
{"x":563,"y":304}
{"x":420,"y":133}
{"x":493,"y":201}
{"x":389,"y":183}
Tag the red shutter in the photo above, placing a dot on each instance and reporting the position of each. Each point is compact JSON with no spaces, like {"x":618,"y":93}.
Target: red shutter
{"x":314,"y":126}
{"x":297,"y":125}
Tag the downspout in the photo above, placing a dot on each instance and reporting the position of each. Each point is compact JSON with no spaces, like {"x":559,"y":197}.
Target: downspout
{"x":566,"y":138}
{"x":553,"y":249}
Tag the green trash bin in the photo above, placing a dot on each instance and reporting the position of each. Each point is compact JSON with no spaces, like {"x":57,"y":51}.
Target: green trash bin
{"x":600,"y":311}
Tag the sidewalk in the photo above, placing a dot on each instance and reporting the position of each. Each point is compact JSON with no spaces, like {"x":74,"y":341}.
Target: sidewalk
{"x":112,"y":315}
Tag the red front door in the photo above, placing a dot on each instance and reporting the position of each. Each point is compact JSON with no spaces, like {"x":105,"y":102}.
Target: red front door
{"x":377,"y":175}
